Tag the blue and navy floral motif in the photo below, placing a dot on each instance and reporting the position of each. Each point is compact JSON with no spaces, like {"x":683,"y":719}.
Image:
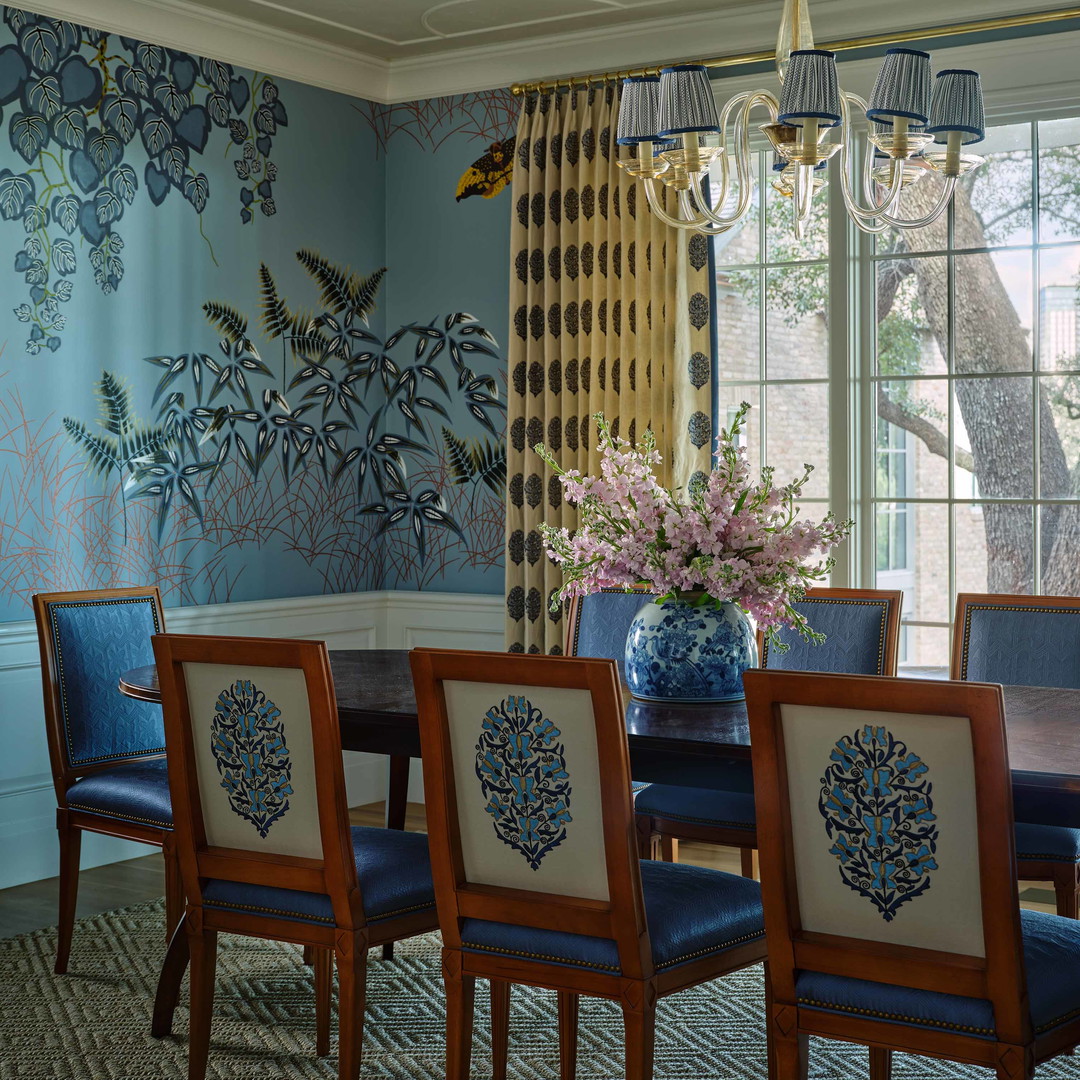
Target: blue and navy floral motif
{"x":88,"y":112}
{"x":247,"y":738}
{"x":522,"y":771}
{"x":679,"y":651}
{"x":875,"y":799}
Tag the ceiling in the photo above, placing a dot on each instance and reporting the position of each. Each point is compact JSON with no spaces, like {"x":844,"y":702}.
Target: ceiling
{"x":398,"y":50}
{"x":394,"y":29}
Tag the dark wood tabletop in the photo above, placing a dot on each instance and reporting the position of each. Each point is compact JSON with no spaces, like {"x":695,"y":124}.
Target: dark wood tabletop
{"x":694,"y":745}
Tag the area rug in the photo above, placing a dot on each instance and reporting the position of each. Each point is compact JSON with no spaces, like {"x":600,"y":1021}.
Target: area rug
{"x":94,"y":1023}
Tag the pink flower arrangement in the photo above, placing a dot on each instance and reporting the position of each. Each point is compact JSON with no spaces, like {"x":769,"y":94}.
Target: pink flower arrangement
{"x":726,"y":539}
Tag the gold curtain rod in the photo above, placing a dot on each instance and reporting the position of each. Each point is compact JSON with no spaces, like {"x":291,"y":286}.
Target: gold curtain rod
{"x":1007,"y":22}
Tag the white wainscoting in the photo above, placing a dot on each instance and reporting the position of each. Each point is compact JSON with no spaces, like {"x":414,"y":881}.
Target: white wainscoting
{"x":386,"y":620}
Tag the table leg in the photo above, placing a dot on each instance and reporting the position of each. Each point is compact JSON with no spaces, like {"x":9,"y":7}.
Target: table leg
{"x":172,"y":975}
{"x":397,"y":799}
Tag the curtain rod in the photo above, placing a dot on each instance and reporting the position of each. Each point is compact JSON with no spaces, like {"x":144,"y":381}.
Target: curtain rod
{"x":897,"y":37}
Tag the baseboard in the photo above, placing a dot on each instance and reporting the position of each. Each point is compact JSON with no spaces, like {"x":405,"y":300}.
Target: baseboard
{"x":387,"y":619}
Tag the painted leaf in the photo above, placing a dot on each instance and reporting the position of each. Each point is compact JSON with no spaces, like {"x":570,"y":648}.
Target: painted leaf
{"x":63,"y":256}
{"x":174,"y":163}
{"x":156,"y":133}
{"x":105,"y":150}
{"x":16,"y":192}
{"x":29,"y":132}
{"x":171,"y":100}
{"x":197,"y":191}
{"x":41,"y":45}
{"x":43,"y":96}
{"x":217,"y":105}
{"x":69,"y":128}
{"x":108,"y":207}
{"x":124,"y":182}
{"x":217,"y":75}
{"x":133,"y":80}
{"x":121,"y":113}
{"x":151,"y":58}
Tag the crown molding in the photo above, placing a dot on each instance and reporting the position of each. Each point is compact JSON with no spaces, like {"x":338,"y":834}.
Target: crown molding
{"x":745,"y":27}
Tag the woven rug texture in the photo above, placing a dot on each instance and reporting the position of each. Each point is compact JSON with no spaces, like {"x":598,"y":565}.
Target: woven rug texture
{"x":94,"y":1022}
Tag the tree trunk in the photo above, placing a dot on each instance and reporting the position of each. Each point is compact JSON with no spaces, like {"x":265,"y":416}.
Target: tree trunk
{"x":997,"y":413}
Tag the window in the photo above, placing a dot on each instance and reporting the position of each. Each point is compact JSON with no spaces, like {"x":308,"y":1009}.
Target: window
{"x":942,"y":409}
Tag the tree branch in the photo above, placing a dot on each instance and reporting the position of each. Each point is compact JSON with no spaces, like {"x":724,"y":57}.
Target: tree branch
{"x":933,"y":439}
{"x":889,"y":278}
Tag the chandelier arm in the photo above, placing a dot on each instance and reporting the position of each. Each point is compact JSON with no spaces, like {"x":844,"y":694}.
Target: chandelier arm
{"x":687,"y":208}
{"x":743,"y":166}
{"x":947,"y":190}
{"x":651,"y":194}
{"x":859,"y":214}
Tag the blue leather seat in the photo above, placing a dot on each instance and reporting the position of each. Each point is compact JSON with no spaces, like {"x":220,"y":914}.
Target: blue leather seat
{"x":137,"y":791}
{"x":392,"y":868}
{"x":1047,"y":843}
{"x":1052,"y":960}
{"x":692,"y":912}
{"x":698,"y":806}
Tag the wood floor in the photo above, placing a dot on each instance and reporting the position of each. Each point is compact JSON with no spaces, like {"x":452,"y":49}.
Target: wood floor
{"x":33,"y":906}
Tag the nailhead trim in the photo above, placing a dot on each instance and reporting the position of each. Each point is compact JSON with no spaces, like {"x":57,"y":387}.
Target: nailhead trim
{"x":922,"y":1022}
{"x":121,"y":817}
{"x":223,"y":906}
{"x":1049,"y":858}
{"x":1059,"y":1020}
{"x":608,"y":967}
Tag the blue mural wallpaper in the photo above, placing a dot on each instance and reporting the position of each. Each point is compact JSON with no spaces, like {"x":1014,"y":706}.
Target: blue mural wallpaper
{"x":254,"y":341}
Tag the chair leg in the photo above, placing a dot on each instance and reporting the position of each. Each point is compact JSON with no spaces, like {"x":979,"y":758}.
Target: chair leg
{"x":323,"y":965}
{"x":639,"y":1023}
{"x":568,"y":1031}
{"x":669,"y":849}
{"x":790,"y":1055}
{"x":1065,"y":892}
{"x":174,"y":886}
{"x":648,"y":842}
{"x":1015,"y":1062}
{"x":172,"y":975}
{"x":352,"y":988}
{"x":309,"y":955}
{"x":397,"y":807}
{"x":880,"y":1063}
{"x":203,"y":946}
{"x":460,"y":995}
{"x":746,"y":856}
{"x":500,"y":1028}
{"x":70,"y":848}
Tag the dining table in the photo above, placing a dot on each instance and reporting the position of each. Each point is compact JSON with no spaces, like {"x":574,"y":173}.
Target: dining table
{"x":704,"y":745}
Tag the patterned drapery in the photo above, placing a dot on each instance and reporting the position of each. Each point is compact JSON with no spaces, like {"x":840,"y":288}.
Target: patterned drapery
{"x":609,"y":312}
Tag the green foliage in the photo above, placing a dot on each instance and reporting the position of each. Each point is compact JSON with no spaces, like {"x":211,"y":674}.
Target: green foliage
{"x":477,"y":461}
{"x":228,"y":322}
{"x":276,"y":320}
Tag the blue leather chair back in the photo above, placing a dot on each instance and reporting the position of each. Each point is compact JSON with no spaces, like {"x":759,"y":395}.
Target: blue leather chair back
{"x":1018,"y":641}
{"x":856,"y":637}
{"x":602,"y":621}
{"x":94,"y":641}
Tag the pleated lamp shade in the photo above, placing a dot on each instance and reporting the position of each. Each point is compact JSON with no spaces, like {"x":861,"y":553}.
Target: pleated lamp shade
{"x":686,"y":101}
{"x":902,"y":88}
{"x":810,"y":89}
{"x":638,"y":109}
{"x":957,"y":105}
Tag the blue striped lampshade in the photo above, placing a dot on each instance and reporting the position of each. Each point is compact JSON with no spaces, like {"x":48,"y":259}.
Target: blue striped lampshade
{"x":686,"y":101}
{"x":638,"y":109}
{"x":902,"y":88}
{"x":779,"y":164}
{"x":957,"y":106}
{"x":810,"y":89}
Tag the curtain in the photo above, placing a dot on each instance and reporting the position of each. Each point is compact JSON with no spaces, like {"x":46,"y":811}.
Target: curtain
{"x":609,"y":312}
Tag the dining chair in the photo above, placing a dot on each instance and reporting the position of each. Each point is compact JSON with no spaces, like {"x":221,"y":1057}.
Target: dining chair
{"x":262,"y":828}
{"x":537,"y":880}
{"x":106,"y":751}
{"x":888,"y":878}
{"x":862,"y":635}
{"x":1029,"y":641}
{"x":597,"y":627}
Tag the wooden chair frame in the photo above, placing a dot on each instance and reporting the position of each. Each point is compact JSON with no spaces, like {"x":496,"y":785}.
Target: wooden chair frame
{"x":349,"y":939}
{"x":670,"y":831}
{"x":999,"y":977}
{"x":71,"y":823}
{"x":1065,"y":876}
{"x":621,"y":918}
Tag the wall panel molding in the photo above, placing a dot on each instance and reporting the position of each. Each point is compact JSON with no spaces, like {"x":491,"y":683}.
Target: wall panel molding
{"x":388,"y":620}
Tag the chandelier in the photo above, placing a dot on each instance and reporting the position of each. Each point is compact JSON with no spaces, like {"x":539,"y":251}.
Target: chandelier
{"x":916,"y":125}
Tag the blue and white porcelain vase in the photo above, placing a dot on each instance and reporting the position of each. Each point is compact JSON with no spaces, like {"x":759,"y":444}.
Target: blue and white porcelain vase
{"x":679,"y":651}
